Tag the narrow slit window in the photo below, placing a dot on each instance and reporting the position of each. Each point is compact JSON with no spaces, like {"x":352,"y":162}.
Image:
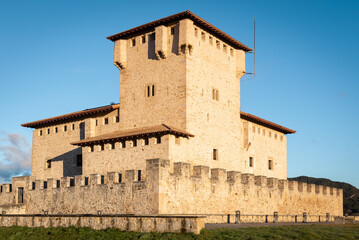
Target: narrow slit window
{"x":251,"y":161}
{"x":196,"y":32}
{"x":158,"y":140}
{"x":146,"y":141}
{"x":143,"y":38}
{"x":48,"y":163}
{"x":134,"y":143}
{"x":102,"y":147}
{"x":56,"y":129}
{"x":65,"y":128}
{"x":48,"y":131}
{"x":215,"y":154}
{"x":153,"y":90}
{"x":148,"y":91}
{"x":113,"y":145}
{"x":73,"y":126}
{"x":96,"y":122}
{"x":124,"y":144}
{"x":133,"y":42}
{"x":40,"y":132}
{"x":119,"y":178}
{"x":270,"y":164}
{"x":139,"y":175}
{"x":91,"y":148}
{"x":45,"y":184}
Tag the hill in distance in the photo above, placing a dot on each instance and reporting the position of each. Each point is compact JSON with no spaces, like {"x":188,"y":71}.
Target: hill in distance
{"x":350,"y":193}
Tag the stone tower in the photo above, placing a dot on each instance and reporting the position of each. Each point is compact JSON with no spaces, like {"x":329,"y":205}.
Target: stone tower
{"x":183,"y":71}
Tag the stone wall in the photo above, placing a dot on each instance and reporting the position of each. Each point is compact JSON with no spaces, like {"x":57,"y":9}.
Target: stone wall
{"x":146,"y":223}
{"x":205,"y":191}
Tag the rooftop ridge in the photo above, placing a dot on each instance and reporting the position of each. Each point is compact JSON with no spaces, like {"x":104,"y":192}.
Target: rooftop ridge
{"x":178,"y":16}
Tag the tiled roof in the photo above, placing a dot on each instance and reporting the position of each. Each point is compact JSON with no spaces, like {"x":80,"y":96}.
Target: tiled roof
{"x":266,"y":123}
{"x":176,"y":17}
{"x":131,"y":133}
{"x":39,"y":123}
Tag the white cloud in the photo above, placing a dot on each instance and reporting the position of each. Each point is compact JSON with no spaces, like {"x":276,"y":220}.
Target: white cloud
{"x":15,"y":156}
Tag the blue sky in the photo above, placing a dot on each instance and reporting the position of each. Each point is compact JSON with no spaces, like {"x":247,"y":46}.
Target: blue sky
{"x":55,"y":59}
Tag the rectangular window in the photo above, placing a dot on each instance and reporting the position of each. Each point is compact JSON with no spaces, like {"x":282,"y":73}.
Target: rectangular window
{"x":139,"y":175}
{"x":150,"y":90}
{"x":119,"y":178}
{"x":211,"y":40}
{"x":143,"y":38}
{"x":102,"y":147}
{"x":133,"y":42}
{"x":196,"y":32}
{"x":91,"y":148}
{"x":86,"y":181}
{"x":215,"y":94}
{"x":172,"y":30}
{"x":72,"y":182}
{"x":117,"y":119}
{"x":251,"y":161}
{"x":20,"y":196}
{"x":124,"y":144}
{"x":153,"y":90}
{"x":45,"y":184}
{"x":65,"y":128}
{"x":224,"y":48}
{"x":106,"y":121}
{"x":48,"y":131}
{"x":215,"y":154}
{"x":231,"y":51}
{"x":48,"y":163}
{"x":57,"y":183}
{"x":102,"y":179}
{"x":55,"y":129}
{"x":33,"y":185}
{"x":270,"y":164}
{"x":112,"y":146}
{"x":96,"y":122}
{"x":158,"y":140}
{"x":40,"y":132}
{"x":79,"y":160}
{"x":218,"y":44}
{"x":134,"y":143}
{"x":203,"y":35}
{"x":147,"y":141}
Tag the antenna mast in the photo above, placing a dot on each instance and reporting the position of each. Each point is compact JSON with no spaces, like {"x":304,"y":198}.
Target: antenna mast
{"x":254,"y":47}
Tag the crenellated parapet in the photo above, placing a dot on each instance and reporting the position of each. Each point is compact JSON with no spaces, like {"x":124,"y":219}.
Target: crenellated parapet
{"x":165,"y":188}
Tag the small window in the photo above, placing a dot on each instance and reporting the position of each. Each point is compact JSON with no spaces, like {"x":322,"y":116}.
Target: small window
{"x":215,"y":154}
{"x":73,"y":126}
{"x":65,"y":128}
{"x":139,"y":175}
{"x":158,"y":140}
{"x":33,"y":185}
{"x":224,"y":48}
{"x":124,"y":144}
{"x":133,"y":42}
{"x":1,"y":189}
{"x":215,"y":94}
{"x":172,"y":30}
{"x":102,"y":147}
{"x":270,"y":164}
{"x":45,"y":184}
{"x":102,"y":179}
{"x":79,"y":160}
{"x":150,"y":90}
{"x":218,"y":44}
{"x":72,"y":182}
{"x":143,"y":39}
{"x":196,"y":32}
{"x":211,"y":40}
{"x":203,"y":35}
{"x":153,"y":90}
{"x":56,"y":130}
{"x":106,"y":121}
{"x":86,"y":181}
{"x":147,"y":141}
{"x":134,"y":143}
{"x":178,"y":140}
{"x":251,"y":161}
{"x":57,"y":183}
{"x":40,"y":133}
{"x":48,"y":131}
{"x":91,"y":148}
{"x":96,"y":122}
{"x":117,"y":119}
{"x":48,"y":163}
{"x":231,"y":51}
{"x":112,"y":146}
{"x":119,"y":178}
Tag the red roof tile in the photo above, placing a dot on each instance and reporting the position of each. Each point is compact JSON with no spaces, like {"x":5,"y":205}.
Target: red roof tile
{"x":176,"y":17}
{"x":39,"y":123}
{"x":266,"y":123}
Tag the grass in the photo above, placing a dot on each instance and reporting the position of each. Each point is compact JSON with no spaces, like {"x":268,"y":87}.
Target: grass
{"x":334,"y":232}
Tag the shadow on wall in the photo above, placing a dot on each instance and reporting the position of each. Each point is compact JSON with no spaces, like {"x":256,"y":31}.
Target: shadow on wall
{"x":71,"y":162}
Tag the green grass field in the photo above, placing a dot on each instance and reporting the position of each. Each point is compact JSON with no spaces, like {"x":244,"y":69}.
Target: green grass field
{"x":334,"y":232}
